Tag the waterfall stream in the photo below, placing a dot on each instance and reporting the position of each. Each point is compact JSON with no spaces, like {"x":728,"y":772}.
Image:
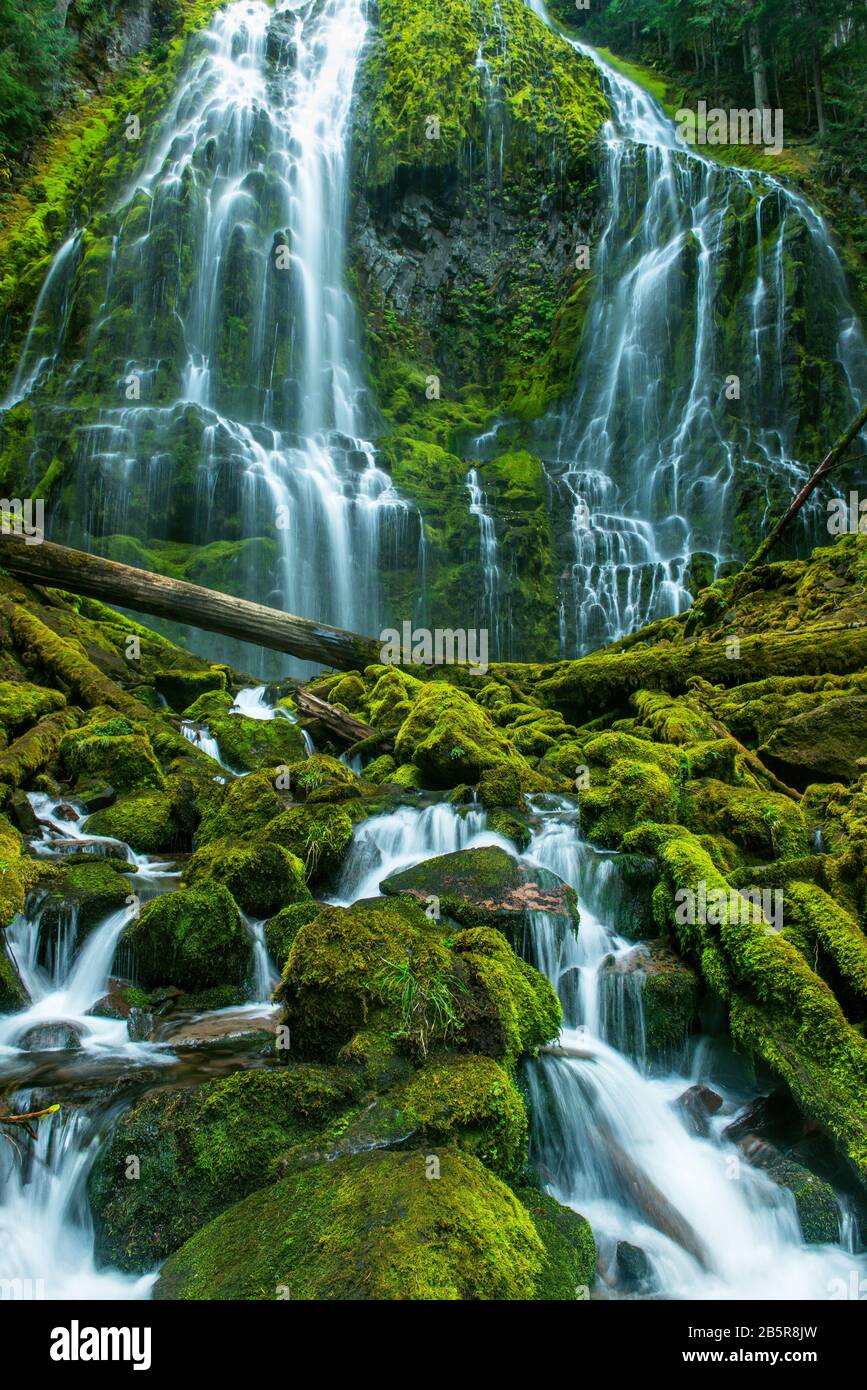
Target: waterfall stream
{"x":607,"y":1138}
{"x":652,"y":458}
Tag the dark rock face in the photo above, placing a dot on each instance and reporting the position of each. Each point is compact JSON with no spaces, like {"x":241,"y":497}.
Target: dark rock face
{"x":633,"y":1268}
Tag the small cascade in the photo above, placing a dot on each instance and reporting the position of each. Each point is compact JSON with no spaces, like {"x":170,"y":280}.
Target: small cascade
{"x":607,"y":1137}
{"x":493,"y":617}
{"x":383,"y":845}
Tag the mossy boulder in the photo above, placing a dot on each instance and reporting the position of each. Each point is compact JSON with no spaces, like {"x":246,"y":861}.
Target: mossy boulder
{"x":214,"y":704}
{"x":489,"y":887}
{"x":181,"y":688}
{"x":472,"y":1101}
{"x":281,"y":930}
{"x":451,"y":739}
{"x":90,"y":890}
{"x":144,"y":820}
{"x":380,"y":976}
{"x":247,"y":744}
{"x":318,"y":835}
{"x":114,"y":750}
{"x":764,"y":824}
{"x":23,"y":704}
{"x":193,"y":938}
{"x":321,"y":778}
{"x":245,"y":806}
{"x":820,"y":745}
{"x":570,"y":1250}
{"x":500,"y":786}
{"x":376,"y":1226}
{"x":200,"y":1148}
{"x":261,"y":877}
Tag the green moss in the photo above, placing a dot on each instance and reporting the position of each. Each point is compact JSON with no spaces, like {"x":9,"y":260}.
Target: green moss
{"x":317,"y":835}
{"x":551,"y":97}
{"x":192,"y":938}
{"x":248,"y":744}
{"x":144,"y":820}
{"x":281,"y":930}
{"x":213,"y":704}
{"x":92,"y":890}
{"x":199,"y":1149}
{"x":374,"y":1226}
{"x":262,"y":877}
{"x":521,"y":1011}
{"x":112,"y":750}
{"x":22,"y":703}
{"x":488,"y":887}
{"x":570,"y":1250}
{"x":473,"y":1101}
{"x":36,"y":750}
{"x":452,"y":740}
{"x":246,"y":807}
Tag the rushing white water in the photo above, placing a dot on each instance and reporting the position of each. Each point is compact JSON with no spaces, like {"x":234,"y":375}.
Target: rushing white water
{"x":494,"y":615}
{"x":608,"y":1141}
{"x":607,"y":1138}
{"x":652,"y":459}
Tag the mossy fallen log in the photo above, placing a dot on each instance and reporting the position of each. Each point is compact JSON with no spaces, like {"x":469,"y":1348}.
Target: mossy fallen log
{"x":77,"y":572}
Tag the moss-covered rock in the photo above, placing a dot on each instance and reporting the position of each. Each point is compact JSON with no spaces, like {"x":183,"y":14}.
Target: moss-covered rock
{"x":669,"y":992}
{"x":374,"y":1226}
{"x":452,"y":740}
{"x":820,"y":745}
{"x":318,"y":835}
{"x":570,"y":1250}
{"x":90,"y":890}
{"x":470,"y":1100}
{"x":144,"y":820}
{"x":112,"y":749}
{"x":22,"y":704}
{"x":181,"y":688}
{"x":245,"y":806}
{"x":262,"y":877}
{"x":281,"y":930}
{"x":200,"y":1148}
{"x":192,"y":938}
{"x":489,"y":887}
{"x":247,"y":744}
{"x":382,"y":976}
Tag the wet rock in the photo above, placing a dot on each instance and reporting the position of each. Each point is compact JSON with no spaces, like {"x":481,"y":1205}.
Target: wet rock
{"x":49,"y":1037}
{"x":65,"y":812}
{"x":22,"y":815}
{"x":820,"y":745}
{"x":651,"y":989}
{"x":815,"y":1200}
{"x":695,"y":1105}
{"x":634,"y":1272}
{"x":774,"y":1117}
{"x":98,"y":798}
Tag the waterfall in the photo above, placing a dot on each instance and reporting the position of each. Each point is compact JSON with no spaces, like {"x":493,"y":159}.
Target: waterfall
{"x":493,"y":617}
{"x":220,"y":363}
{"x":652,"y":460}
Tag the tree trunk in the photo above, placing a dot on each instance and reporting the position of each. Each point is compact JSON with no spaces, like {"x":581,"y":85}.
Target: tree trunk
{"x":126,"y":587}
{"x":757,"y":64}
{"x":817,"y":74}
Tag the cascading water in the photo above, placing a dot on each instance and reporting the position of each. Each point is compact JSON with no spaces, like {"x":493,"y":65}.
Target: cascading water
{"x":607,"y":1137}
{"x":494,"y":616}
{"x":46,"y":1230}
{"x":237,"y":407}
{"x":694,"y":283}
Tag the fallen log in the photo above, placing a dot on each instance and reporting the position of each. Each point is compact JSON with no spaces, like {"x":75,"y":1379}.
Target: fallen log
{"x":832,"y":457}
{"x":339,"y":721}
{"x":126,"y":587}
